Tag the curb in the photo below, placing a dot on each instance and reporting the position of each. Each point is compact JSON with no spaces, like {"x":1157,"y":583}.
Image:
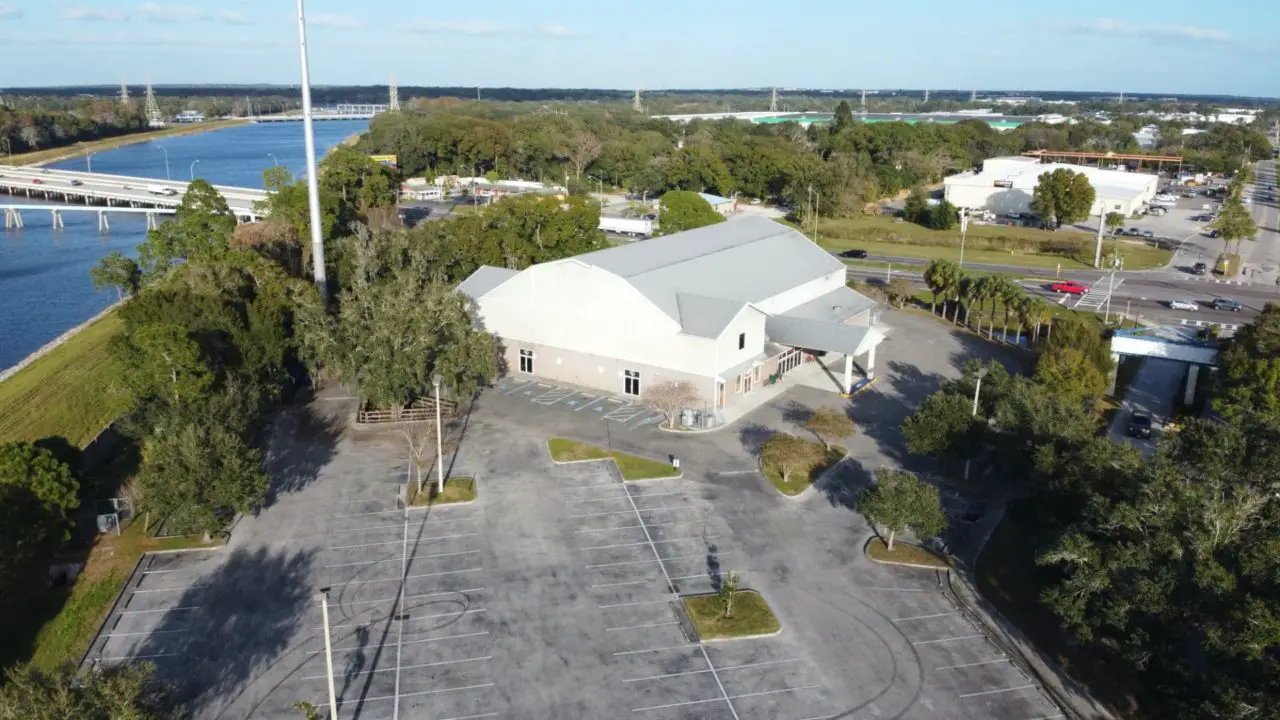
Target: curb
{"x":810,"y":487}
{"x":697,"y":637}
{"x":735,"y":638}
{"x":867,"y":555}
{"x":475,"y":482}
{"x":677,"y":476}
{"x":115,"y":603}
{"x":179,"y":551}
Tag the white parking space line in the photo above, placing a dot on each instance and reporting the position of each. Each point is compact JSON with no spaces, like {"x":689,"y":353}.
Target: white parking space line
{"x":974,"y":664}
{"x":653,"y":560}
{"x":721,"y":669}
{"x":690,"y":577}
{"x":722,"y":699}
{"x":946,"y":639}
{"x":180,"y":588}
{"x":593,"y":402}
{"x":471,"y":717}
{"x":925,"y":617}
{"x":635,"y":604}
{"x":427,"y":692}
{"x":411,"y":597}
{"x":468,"y":611}
{"x":397,"y":542}
{"x":622,"y":527}
{"x":621,"y":584}
{"x":774,"y":692}
{"x":148,"y":632}
{"x":655,"y":542}
{"x":656,"y":494}
{"x":406,"y":642}
{"x":397,"y":526}
{"x":996,"y":692}
{"x":442,"y":663}
{"x":1048,"y":717}
{"x":629,"y":512}
{"x":632,"y":627}
{"x":415,"y":577}
{"x":411,"y":557}
{"x":898,"y":589}
{"x":688,"y":646}
{"x":162,"y":610}
{"x":130,"y":658}
{"x":604,"y":499}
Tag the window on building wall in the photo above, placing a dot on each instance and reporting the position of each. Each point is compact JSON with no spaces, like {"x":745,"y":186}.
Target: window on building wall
{"x":631,"y":382}
{"x":737,"y":384}
{"x":755,"y":373}
{"x":526,"y":362}
{"x":742,"y":341}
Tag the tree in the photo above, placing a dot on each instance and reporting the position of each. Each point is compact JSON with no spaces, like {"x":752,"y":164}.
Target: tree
{"x":916,"y":207}
{"x":943,"y":426}
{"x":1250,"y":368}
{"x":115,"y":691}
{"x":583,"y":148}
{"x":900,"y":501}
{"x":1115,"y":220}
{"x":1067,"y":372}
{"x":201,"y":226}
{"x":683,"y":210}
{"x":308,"y":710}
{"x":827,"y":425}
{"x":787,"y":454}
{"x":843,"y":117}
{"x":356,"y":182}
{"x":200,"y":475}
{"x":118,"y":271}
{"x":36,"y":492}
{"x":1063,"y":196}
{"x":899,"y":291}
{"x":671,"y":397}
{"x":943,"y":278}
{"x":943,"y":216}
{"x":1235,"y":223}
{"x":728,"y":590}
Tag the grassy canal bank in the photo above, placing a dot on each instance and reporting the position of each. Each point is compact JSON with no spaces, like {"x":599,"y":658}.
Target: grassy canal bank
{"x":43,"y":157}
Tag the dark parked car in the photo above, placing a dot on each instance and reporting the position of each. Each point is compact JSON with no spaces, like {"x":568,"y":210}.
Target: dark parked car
{"x":1200,"y":269}
{"x":857,"y":254}
{"x":1227,"y":304}
{"x":1213,"y":233}
{"x":1134,"y":232}
{"x":1140,"y":425}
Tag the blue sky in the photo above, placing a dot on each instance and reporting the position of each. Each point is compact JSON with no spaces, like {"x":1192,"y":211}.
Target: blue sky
{"x":1165,"y":46}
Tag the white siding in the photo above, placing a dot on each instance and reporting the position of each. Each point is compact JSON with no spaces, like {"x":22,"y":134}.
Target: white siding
{"x":569,"y":305}
{"x":803,"y":293}
{"x":751,"y":322}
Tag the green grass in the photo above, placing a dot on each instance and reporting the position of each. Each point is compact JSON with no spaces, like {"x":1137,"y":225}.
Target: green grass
{"x":800,"y":480}
{"x":456,"y":490}
{"x":70,"y":151}
{"x":71,"y":392}
{"x":1060,"y":312}
{"x":905,"y":553}
{"x":67,"y":634}
{"x":751,"y":616}
{"x":992,"y":244}
{"x":631,"y":466}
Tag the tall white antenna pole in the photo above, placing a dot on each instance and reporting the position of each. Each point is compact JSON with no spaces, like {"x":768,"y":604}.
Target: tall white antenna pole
{"x":773,"y":101}
{"x":635,"y":102}
{"x":313,"y":180}
{"x":394,"y":105}
{"x":124,"y":95}
{"x":926,"y":96}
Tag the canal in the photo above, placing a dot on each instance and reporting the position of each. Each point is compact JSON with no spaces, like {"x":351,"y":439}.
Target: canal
{"x":44,"y":273}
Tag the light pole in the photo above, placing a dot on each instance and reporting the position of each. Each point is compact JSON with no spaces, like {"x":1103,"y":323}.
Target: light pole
{"x":964,"y":229}
{"x":600,"y":184}
{"x":167,"y":174}
{"x":1116,"y":263}
{"x":435,"y":384}
{"x":274,"y":160}
{"x":977,"y":388}
{"x":193,"y":169}
{"x":313,"y":179}
{"x":328,"y":654}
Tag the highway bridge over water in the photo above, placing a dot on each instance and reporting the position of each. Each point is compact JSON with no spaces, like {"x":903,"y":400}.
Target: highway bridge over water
{"x":104,"y":193}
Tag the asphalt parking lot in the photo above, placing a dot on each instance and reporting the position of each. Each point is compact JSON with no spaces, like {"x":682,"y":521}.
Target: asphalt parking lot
{"x":625,"y":412}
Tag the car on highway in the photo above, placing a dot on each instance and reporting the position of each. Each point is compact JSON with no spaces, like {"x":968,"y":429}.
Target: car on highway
{"x":1183,"y":305}
{"x":74,"y":183}
{"x":1227,"y":304}
{"x":37,"y":181}
{"x":1139,"y":425}
{"x":1069,"y":287}
{"x":855,"y":254}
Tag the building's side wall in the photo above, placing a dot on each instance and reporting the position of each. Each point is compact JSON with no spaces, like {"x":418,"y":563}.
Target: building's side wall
{"x":561,"y":365}
{"x":750,"y":322}
{"x":586,"y":310}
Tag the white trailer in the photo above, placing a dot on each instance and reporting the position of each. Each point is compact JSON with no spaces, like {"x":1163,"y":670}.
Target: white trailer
{"x":634,"y":227}
{"x":161,"y":190}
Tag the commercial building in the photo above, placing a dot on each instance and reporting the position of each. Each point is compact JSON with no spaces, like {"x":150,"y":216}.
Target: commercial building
{"x":725,"y":308}
{"x":1007,"y":184}
{"x":723,"y":205}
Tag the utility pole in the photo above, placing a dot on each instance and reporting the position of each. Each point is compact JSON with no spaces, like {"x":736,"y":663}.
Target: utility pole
{"x":1116,"y":264}
{"x":635,"y":102}
{"x":328,"y":654}
{"x":814,"y":200}
{"x":1102,"y":228}
{"x":926,"y":95}
{"x":394,"y":104}
{"x":124,"y":96}
{"x":964,"y":229}
{"x":973,"y":96}
{"x":313,"y":180}
{"x":773,"y":101}
{"x":864,"y":100}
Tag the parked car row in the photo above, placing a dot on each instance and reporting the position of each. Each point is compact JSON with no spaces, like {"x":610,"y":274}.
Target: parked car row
{"x":1221,"y":304}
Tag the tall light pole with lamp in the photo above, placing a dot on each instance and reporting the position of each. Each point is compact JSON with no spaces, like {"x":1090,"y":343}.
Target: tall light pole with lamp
{"x":313,"y":181}
{"x":167,"y":174}
{"x":977,"y":388}
{"x":328,"y":654}
{"x":274,"y":159}
{"x":435,"y":384}
{"x":964,"y":229}
{"x":600,"y":186}
{"x":193,"y":169}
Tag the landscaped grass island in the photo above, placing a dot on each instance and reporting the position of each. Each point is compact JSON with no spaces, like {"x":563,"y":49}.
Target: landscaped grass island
{"x":632,"y":467}
{"x":456,"y":490}
{"x":904,"y":554}
{"x":800,"y":480}
{"x":751,"y":616}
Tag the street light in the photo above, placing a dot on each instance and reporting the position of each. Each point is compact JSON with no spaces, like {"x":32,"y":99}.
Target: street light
{"x":601,"y":187}
{"x":167,"y":174}
{"x":435,"y":383}
{"x":977,"y":388}
{"x":964,"y":229}
{"x":274,"y":160}
{"x":313,"y":184}
{"x":193,"y":169}
{"x":328,"y":654}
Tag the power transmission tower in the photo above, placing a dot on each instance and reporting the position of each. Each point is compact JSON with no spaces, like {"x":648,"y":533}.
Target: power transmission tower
{"x":1121,"y":101}
{"x":635,"y":102}
{"x":864,"y":100}
{"x":154,"y":118}
{"x":124,"y":96}
{"x":773,"y":101}
{"x":926,"y":96}
{"x":973,"y":96}
{"x":394,"y":105}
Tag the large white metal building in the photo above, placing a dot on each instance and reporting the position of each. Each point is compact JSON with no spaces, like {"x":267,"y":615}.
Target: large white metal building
{"x":1006,"y":184}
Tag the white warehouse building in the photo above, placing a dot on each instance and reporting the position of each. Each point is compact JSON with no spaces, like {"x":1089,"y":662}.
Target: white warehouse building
{"x":1006,"y":184}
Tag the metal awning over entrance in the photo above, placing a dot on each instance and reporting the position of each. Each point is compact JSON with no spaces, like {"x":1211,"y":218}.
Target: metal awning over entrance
{"x":839,"y":321}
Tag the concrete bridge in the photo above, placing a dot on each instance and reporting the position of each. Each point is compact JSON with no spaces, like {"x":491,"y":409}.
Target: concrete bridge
{"x":343,"y":111}
{"x":13,"y":219}
{"x":116,"y":191}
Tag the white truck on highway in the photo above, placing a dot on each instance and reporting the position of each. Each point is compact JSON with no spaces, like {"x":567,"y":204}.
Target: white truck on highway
{"x":634,"y":227}
{"x":161,"y":190}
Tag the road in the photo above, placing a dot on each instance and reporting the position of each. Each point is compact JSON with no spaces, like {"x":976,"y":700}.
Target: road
{"x":117,"y":189}
{"x":1152,"y":391}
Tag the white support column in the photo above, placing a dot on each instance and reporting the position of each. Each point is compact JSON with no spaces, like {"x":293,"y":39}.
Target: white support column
{"x":871,"y":363}
{"x":1189,"y":396}
{"x":848,"y":374}
{"x":103,"y":224}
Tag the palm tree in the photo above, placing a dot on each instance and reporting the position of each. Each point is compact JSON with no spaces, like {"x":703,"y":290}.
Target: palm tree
{"x":996,"y":290}
{"x":957,"y":291}
{"x":1038,"y":314}
{"x":1010,"y":293}
{"x":933,"y":277}
{"x":968,"y":293}
{"x":1022,"y":316}
{"x":982,"y":293}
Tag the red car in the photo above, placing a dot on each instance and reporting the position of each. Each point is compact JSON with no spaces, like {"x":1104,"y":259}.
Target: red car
{"x":37,"y":181}
{"x":1069,"y":287}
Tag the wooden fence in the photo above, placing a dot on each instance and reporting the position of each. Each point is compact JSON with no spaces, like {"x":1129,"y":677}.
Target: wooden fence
{"x":421,"y":410}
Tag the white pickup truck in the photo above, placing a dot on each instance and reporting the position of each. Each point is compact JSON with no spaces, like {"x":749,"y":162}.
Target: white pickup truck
{"x":161,"y":190}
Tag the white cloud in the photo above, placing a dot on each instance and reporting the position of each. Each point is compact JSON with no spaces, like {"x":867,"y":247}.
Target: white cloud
{"x":78,"y":12}
{"x":10,"y":12}
{"x":1115,"y":28}
{"x":156,"y":12}
{"x":334,"y":20}
{"x":132,"y":40}
{"x":556,"y":30}
{"x":481,"y":27}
